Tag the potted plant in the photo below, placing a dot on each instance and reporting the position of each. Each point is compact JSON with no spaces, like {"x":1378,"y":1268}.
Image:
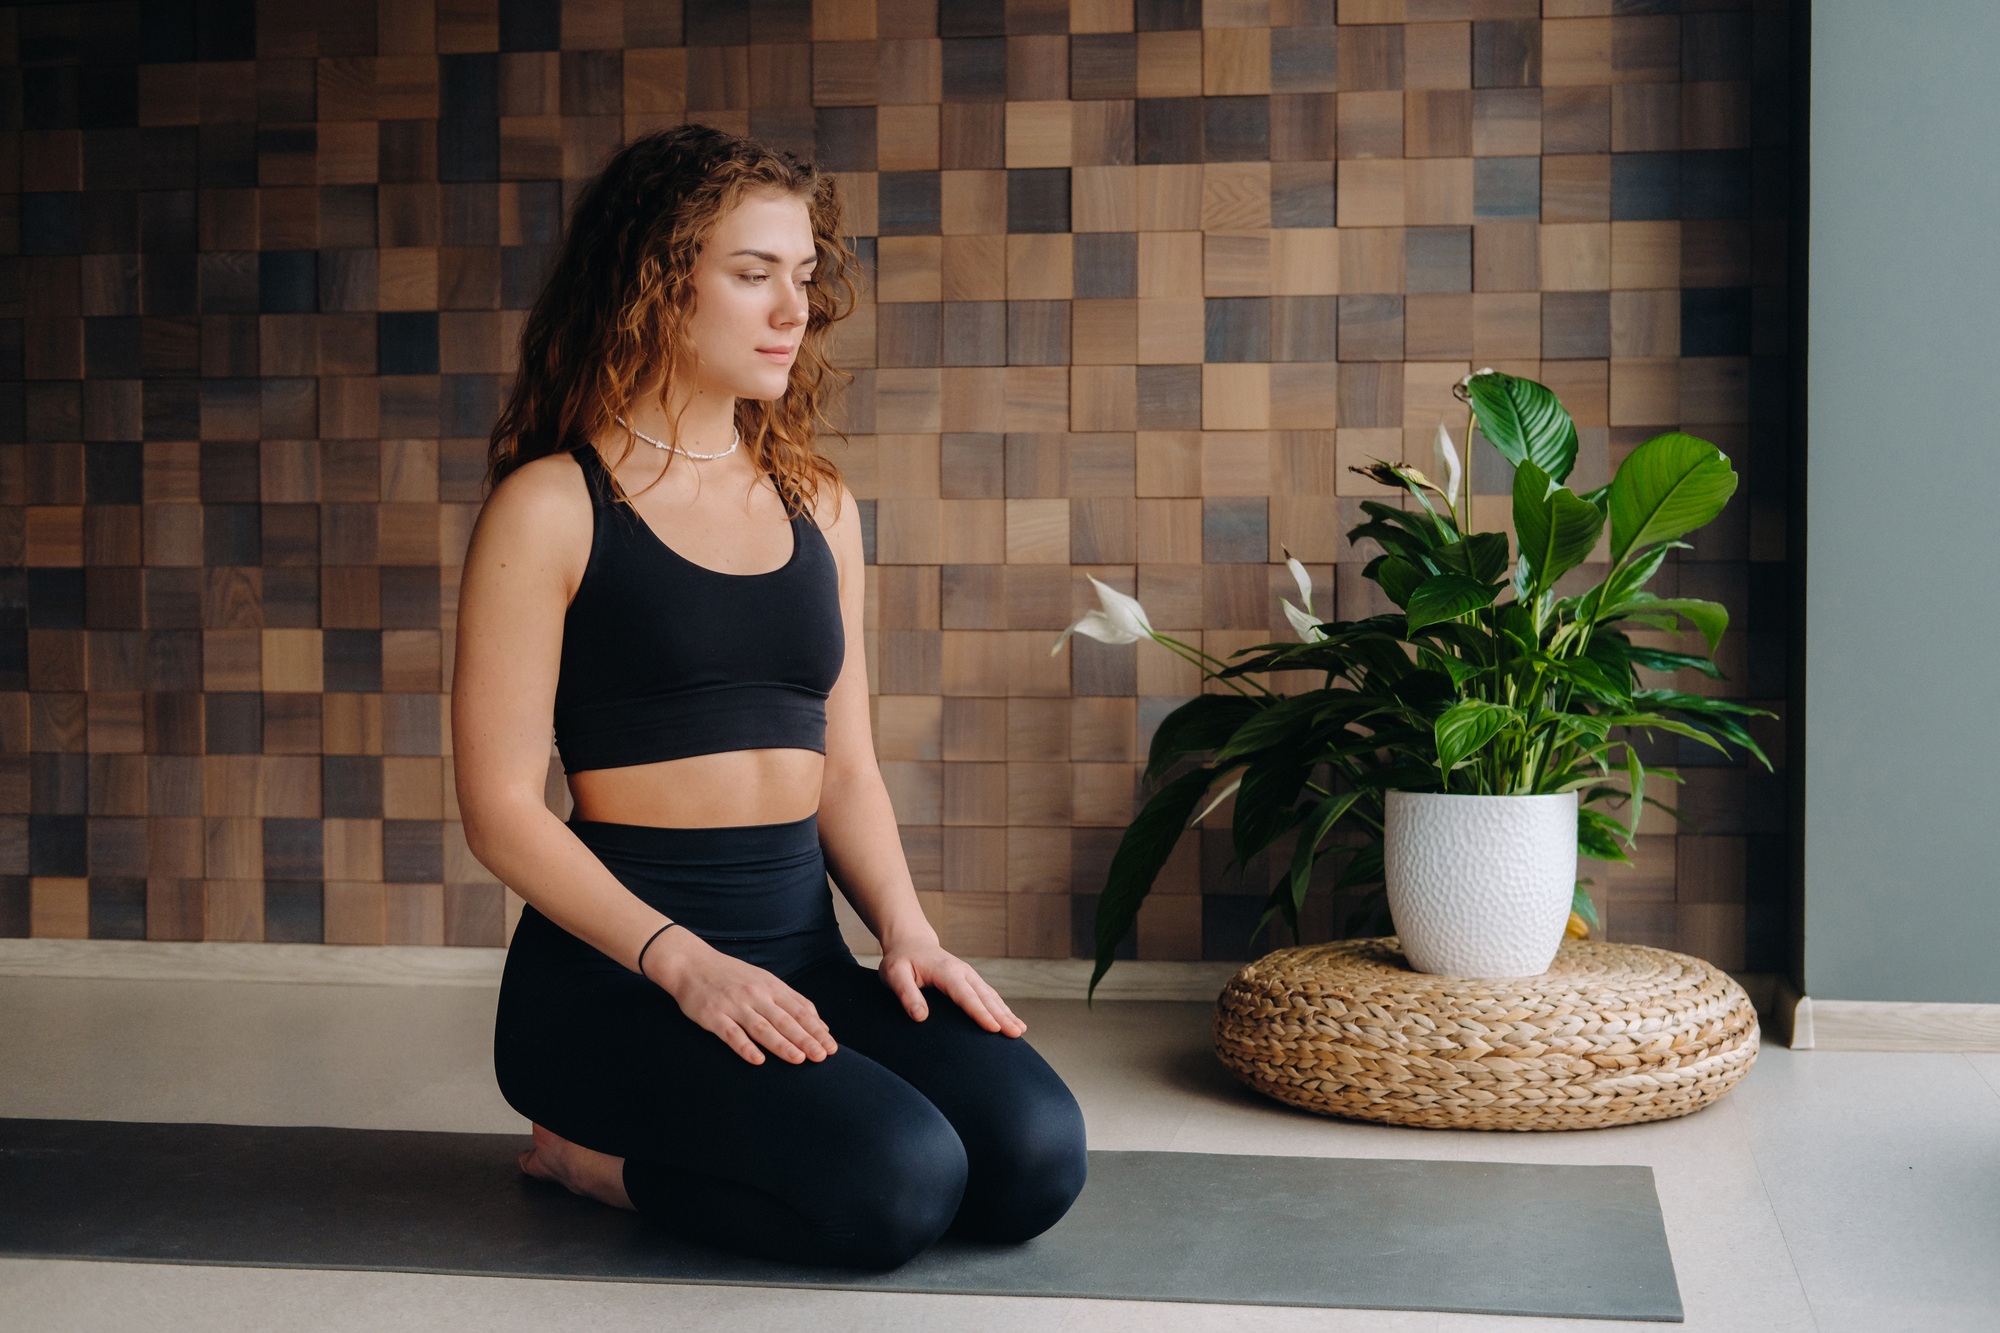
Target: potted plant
{"x":1466,"y":747}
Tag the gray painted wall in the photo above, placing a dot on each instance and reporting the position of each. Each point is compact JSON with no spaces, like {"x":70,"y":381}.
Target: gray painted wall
{"x":1902,"y":810}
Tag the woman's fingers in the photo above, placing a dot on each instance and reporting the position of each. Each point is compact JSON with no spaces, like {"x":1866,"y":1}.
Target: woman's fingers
{"x":737,"y":1040}
{"x":961,"y":989}
{"x":767,"y":1034}
{"x":812,"y":1044}
{"x":902,"y":979}
{"x":808,"y":1018}
{"x":1010,"y":1023}
{"x":983,"y":1003}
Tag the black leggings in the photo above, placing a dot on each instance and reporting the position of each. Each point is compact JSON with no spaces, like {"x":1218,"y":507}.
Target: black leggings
{"x":907,"y":1132}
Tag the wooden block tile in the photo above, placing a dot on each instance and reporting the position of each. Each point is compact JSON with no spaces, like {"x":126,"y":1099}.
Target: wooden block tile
{"x":1372,"y":260}
{"x":1576,"y":256}
{"x":1304,"y":126}
{"x":973,"y":267}
{"x":1236,"y":61}
{"x":973,"y":203}
{"x":1304,"y":396}
{"x":1437,"y":55}
{"x":1576,"y":52}
{"x":1370,"y":124}
{"x":1644,"y":392}
{"x":1236,"y":196}
{"x":1168,"y":198}
{"x":1169,"y":64}
{"x":1645,"y":118}
{"x":1506,"y":326}
{"x":1715,"y":115}
{"x":1370,"y":194}
{"x":1236,"y":263}
{"x":1645,"y":255}
{"x":1576,"y":120}
{"x":1508,"y":121}
{"x":1371,"y":57}
{"x":906,"y":138}
{"x":908,"y":268}
{"x":1039,"y":134}
{"x":1235,"y":397}
{"x":1506,"y":256}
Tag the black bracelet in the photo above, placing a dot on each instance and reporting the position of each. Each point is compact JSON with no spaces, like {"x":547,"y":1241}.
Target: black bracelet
{"x":640,"y":965}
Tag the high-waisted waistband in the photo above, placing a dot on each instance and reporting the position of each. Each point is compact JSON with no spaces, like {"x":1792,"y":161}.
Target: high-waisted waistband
{"x":733,"y":882}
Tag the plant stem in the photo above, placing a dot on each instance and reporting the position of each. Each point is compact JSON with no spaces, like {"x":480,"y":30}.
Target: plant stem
{"x":1202,"y":659}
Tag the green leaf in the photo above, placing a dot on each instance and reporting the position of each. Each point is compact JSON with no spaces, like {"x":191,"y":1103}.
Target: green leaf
{"x":1147,"y":843}
{"x":1202,"y":723}
{"x":1580,"y":904}
{"x":1626,"y":581}
{"x":1265,"y":804}
{"x":1670,"y":485}
{"x":1711,"y":618}
{"x":1571,"y":725}
{"x":1557,"y":531}
{"x":1398,"y":577}
{"x":1447,"y":597}
{"x":1658,"y":659}
{"x":1612,"y":651}
{"x":1699,"y":703}
{"x":1597,"y":836}
{"x":1525,"y":421}
{"x":1272,"y":725}
{"x":1635,"y":778}
{"x":1463,"y":731}
{"x":1593,"y":680}
{"x":1483,"y":555}
{"x":1316,"y":826}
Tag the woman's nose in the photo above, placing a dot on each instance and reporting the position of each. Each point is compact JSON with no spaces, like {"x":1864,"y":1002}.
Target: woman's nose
{"x":794,"y":308}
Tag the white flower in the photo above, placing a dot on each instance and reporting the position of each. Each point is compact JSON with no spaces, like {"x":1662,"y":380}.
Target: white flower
{"x":1466,"y":383}
{"x":1446,"y":458}
{"x":1304,"y":623}
{"x":1121,"y":620}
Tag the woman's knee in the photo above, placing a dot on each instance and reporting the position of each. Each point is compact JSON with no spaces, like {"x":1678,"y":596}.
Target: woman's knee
{"x":1028,"y":1168}
{"x":899,"y":1192}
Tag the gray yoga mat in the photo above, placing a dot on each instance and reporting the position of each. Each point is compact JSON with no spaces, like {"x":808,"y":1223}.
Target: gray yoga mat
{"x":1478,"y":1237}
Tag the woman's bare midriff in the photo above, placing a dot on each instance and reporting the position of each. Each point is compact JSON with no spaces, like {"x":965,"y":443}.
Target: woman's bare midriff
{"x":703,"y":790}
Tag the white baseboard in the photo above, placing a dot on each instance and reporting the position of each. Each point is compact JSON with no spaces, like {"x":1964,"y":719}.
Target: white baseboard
{"x":420,"y":965}
{"x":1891,"y":1025}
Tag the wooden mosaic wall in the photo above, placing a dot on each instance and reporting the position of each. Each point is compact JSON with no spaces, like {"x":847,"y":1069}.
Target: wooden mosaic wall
{"x":1148,"y":275}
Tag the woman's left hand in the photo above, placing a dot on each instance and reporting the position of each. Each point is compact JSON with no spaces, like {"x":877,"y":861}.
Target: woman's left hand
{"x":906,"y":969}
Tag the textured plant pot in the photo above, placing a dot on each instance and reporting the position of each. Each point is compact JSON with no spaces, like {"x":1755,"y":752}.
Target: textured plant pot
{"x":1480,"y":886}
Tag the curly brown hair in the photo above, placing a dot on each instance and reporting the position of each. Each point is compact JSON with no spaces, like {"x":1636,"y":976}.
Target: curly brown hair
{"x":611,"y":319}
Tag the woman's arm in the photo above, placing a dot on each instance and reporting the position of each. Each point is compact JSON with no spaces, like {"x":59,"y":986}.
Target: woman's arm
{"x":857,"y":825}
{"x":525,"y":559}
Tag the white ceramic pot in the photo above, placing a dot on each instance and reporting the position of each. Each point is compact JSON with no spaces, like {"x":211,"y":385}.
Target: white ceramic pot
{"x":1480,"y":886}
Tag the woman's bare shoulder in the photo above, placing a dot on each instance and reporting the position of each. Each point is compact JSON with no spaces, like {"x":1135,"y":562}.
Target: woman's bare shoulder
{"x":540,"y":512}
{"x":834,"y":507}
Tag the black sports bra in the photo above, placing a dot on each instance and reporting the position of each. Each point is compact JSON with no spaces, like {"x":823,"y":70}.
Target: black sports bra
{"x":663,"y":658}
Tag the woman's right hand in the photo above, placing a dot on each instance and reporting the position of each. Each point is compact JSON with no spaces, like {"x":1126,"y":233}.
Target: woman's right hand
{"x":745,"y":1005}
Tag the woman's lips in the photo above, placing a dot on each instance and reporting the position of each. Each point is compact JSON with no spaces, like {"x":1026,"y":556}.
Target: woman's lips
{"x":776,"y":353}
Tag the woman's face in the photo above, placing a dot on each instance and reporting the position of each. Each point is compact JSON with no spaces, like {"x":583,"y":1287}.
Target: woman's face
{"x":750,"y":288}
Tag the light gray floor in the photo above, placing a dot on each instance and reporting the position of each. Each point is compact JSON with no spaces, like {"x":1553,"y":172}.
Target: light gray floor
{"x":1838,"y":1192}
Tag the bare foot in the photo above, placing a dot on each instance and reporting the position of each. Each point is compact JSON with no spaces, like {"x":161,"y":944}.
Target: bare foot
{"x":578,"y":1169}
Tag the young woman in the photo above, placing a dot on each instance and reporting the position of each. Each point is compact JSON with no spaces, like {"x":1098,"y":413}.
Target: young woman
{"x":668,"y":573}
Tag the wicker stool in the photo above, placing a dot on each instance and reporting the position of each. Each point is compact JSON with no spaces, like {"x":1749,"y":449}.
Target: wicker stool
{"x":1611,"y":1034}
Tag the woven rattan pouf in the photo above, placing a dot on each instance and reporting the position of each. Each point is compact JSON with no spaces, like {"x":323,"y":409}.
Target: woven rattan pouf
{"x":1611,"y":1034}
